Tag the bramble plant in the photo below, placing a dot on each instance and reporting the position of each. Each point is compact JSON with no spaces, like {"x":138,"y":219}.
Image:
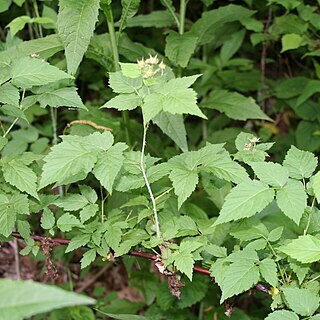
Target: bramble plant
{"x":109,"y":170}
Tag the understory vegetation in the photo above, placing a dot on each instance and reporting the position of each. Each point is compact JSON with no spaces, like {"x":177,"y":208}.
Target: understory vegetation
{"x":159,"y":159}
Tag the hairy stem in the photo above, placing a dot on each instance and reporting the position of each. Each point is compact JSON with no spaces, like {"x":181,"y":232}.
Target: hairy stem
{"x":154,"y":205}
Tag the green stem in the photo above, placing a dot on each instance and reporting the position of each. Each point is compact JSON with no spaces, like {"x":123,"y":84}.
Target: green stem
{"x":110,"y":22}
{"x":11,"y":126}
{"x":142,"y":164}
{"x":31,"y":34}
{"x":36,"y":10}
{"x":183,"y":7}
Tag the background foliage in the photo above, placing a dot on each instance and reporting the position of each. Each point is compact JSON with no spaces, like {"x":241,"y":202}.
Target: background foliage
{"x":188,"y":129}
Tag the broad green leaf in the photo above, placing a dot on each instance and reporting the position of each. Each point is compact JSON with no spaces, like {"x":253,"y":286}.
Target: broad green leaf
{"x":28,"y":72}
{"x":158,"y":19}
{"x":239,"y":277}
{"x":300,"y":269}
{"x":89,"y":193}
{"x":124,"y":102}
{"x":4,"y":5}
{"x":312,"y":87}
{"x":288,"y":4}
{"x":109,"y":164}
{"x":301,"y":301}
{"x":124,"y":316}
{"x":67,"y":221}
{"x":7,"y":216}
{"x":291,"y":41}
{"x":245,"y":200}
{"x":9,"y":94}
{"x":130,"y":70}
{"x":206,"y":27}
{"x":232,"y":45}
{"x":184,"y":263}
{"x":76,"y":23}
{"x":184,"y":182}
{"x":304,"y":249}
{"x":71,"y":202}
{"x":129,"y":9}
{"x":23,"y":299}
{"x":113,"y":236}
{"x":179,"y":48}
{"x":283,"y":315}
{"x":18,"y":24}
{"x":47,"y":219}
{"x":121,"y":84}
{"x":271,"y":173}
{"x":88,"y":257}
{"x":249,"y":229}
{"x":88,"y":212}
{"x":268,"y":270}
{"x":16,"y":173}
{"x":64,"y":97}
{"x":234,"y":105}
{"x":173,"y":126}
{"x":300,"y":164}
{"x":78,"y":241}
{"x":316,"y":185}
{"x":292,"y":200}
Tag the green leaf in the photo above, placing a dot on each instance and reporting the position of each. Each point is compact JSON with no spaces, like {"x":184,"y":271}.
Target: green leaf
{"x":304,"y":249}
{"x":291,"y":41}
{"x":7,"y":216}
{"x":113,"y":236}
{"x":9,"y":94}
{"x":234,"y":105}
{"x":71,"y":202}
{"x":124,"y":316}
{"x":184,"y":263}
{"x":88,"y":258}
{"x":271,"y":173}
{"x":232,"y":45}
{"x":245,"y":200}
{"x":283,"y":315}
{"x":76,"y":23}
{"x":129,"y":9}
{"x":64,"y":97}
{"x":268,"y":270}
{"x":130,"y":70}
{"x":88,"y":212}
{"x":300,"y":164}
{"x":78,"y":241}
{"x":173,"y":126}
{"x":309,"y":90}
{"x":67,"y":221}
{"x":316,"y":185}
{"x":28,"y":72}
{"x":179,"y":48}
{"x":121,"y":84}
{"x":21,"y":299}
{"x":18,"y":24}
{"x":19,"y":175}
{"x":124,"y":102}
{"x":47,"y":219}
{"x":292,"y":200}
{"x":301,"y":301}
{"x":184,"y":182}
{"x":206,"y":27}
{"x":109,"y":165}
{"x":157,"y":19}
{"x":239,"y":277}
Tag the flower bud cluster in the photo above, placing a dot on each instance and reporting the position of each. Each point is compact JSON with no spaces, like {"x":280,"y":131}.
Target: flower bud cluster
{"x":151,"y":66}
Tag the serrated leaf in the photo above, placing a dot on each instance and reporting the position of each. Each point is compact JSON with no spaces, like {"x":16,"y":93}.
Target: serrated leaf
{"x":179,"y":48}
{"x":129,"y":9}
{"x":304,"y":249}
{"x":245,"y":200}
{"x":64,"y":97}
{"x":239,"y":277}
{"x":121,"y":84}
{"x":184,"y":182}
{"x":173,"y":126}
{"x":158,"y":19}
{"x":275,"y":234}
{"x":124,"y":102}
{"x":292,"y":200}
{"x":28,"y":72}
{"x":316,"y":185}
{"x":89,"y":193}
{"x":67,"y":221}
{"x":271,"y":173}
{"x":113,"y":236}
{"x":232,"y":45}
{"x":47,"y":219}
{"x":184,"y":263}
{"x":71,"y":202}
{"x":78,"y":241}
{"x":20,"y":176}
{"x":301,"y":301}
{"x":76,"y":23}
{"x":109,"y":165}
{"x":301,"y":270}
{"x":234,"y":105}
{"x":7,"y":216}
{"x":310,"y":89}
{"x":291,"y":41}
{"x":23,"y":299}
{"x":283,"y":315}
{"x":268,"y":270}
{"x":300,"y":164}
{"x":88,"y":212}
{"x":9,"y":94}
{"x":88,"y":258}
